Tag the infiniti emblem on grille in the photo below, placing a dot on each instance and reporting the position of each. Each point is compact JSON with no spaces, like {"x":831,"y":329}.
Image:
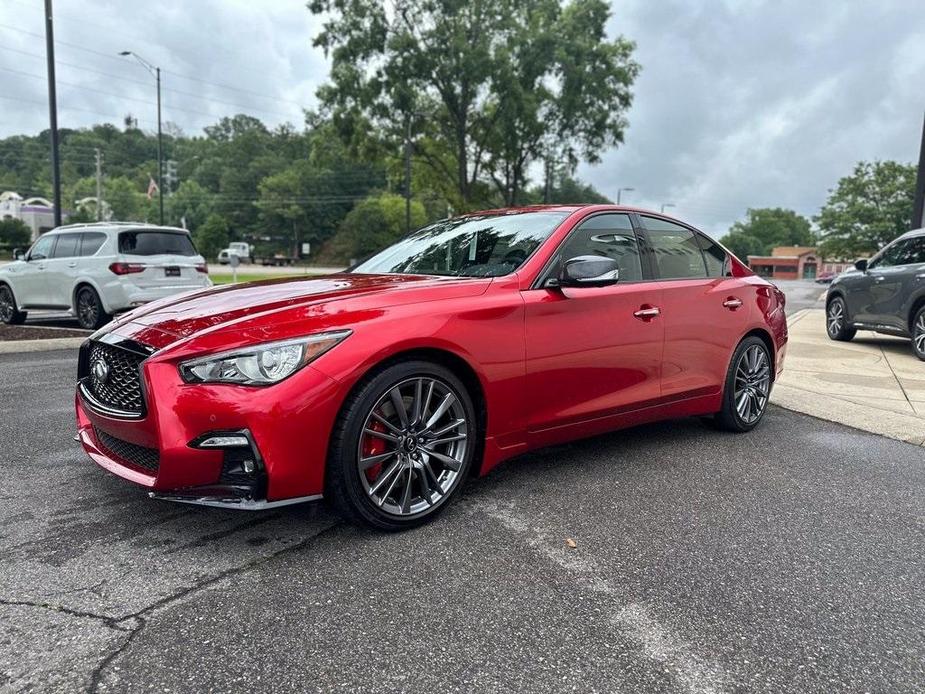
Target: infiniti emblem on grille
{"x":101,"y":371}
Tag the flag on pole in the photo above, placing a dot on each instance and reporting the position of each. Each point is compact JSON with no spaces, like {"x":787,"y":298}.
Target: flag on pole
{"x":152,"y":187}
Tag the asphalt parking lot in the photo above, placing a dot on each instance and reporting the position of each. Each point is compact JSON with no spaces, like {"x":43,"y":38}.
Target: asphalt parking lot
{"x":790,"y":559}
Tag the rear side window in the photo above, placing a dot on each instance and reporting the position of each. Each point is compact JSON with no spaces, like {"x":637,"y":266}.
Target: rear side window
{"x":714,"y":256}
{"x":91,"y":243}
{"x":67,"y":246}
{"x":675,"y":249}
{"x":143,"y":242}
{"x":608,"y":235}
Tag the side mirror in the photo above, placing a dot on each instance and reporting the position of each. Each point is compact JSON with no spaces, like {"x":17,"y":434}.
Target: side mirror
{"x":861,"y":264}
{"x":19,"y":254}
{"x":589,"y":271}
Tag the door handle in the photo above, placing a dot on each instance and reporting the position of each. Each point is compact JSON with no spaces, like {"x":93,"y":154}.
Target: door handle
{"x":72,"y":264}
{"x":879,"y":278}
{"x":647,"y":313}
{"x":732,"y":303}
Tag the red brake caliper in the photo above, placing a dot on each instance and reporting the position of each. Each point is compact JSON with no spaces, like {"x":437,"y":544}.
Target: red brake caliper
{"x":373,"y":445}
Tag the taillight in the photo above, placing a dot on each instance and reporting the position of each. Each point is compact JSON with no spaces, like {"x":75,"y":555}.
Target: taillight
{"x":203,"y":268}
{"x":127,"y":268}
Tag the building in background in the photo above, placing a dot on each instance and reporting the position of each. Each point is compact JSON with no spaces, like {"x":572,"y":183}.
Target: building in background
{"x":37,"y":213}
{"x":796,"y":263}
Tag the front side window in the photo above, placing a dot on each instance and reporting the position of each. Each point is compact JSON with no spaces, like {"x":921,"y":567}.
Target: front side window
{"x":42,"y":248}
{"x":476,"y":246}
{"x":67,"y":246}
{"x":608,"y":235}
{"x":675,"y":249}
{"x":144,"y":242}
{"x":908,"y":252}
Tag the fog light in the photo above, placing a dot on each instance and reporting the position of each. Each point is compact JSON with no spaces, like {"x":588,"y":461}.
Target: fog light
{"x":248,"y":466}
{"x":229,"y":441}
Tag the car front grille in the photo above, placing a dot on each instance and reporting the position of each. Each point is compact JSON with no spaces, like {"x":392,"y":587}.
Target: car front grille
{"x":113,"y":378}
{"x":146,"y":458}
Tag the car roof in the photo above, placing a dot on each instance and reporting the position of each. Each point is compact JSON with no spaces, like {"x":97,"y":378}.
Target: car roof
{"x":114,"y":226}
{"x":912,"y":234}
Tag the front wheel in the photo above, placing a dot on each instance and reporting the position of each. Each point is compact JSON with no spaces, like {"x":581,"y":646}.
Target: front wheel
{"x":836,"y":321}
{"x":90,"y":312}
{"x":748,"y":386}
{"x":918,"y":333}
{"x":402,"y":447}
{"x":9,"y":314}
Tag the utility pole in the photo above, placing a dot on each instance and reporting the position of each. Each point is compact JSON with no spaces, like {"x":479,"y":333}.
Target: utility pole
{"x":99,"y":185}
{"x":918,"y":208}
{"x":408,"y":175}
{"x":53,"y":110}
{"x":548,"y":183}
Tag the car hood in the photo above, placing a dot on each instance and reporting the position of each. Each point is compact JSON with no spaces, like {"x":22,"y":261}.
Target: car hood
{"x":239,"y":306}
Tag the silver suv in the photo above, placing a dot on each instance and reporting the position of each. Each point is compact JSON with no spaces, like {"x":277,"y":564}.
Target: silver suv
{"x":885,"y":294}
{"x":96,"y":270}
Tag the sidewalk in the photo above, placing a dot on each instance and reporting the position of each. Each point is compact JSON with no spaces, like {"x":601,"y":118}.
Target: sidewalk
{"x":873,"y":383}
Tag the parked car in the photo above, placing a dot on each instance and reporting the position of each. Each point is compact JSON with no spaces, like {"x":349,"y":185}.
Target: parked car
{"x":825,"y":278}
{"x":97,"y":270}
{"x":239,"y":248}
{"x":465,"y":343}
{"x":885,"y":294}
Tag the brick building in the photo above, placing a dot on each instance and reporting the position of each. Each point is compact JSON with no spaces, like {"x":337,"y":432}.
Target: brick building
{"x":795,"y":262}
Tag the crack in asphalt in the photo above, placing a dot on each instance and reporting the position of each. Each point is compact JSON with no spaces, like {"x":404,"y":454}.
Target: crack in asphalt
{"x":139,"y":617}
{"x":112,"y":622}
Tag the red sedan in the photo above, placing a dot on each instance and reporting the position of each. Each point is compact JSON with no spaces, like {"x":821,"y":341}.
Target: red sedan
{"x":465,"y":343}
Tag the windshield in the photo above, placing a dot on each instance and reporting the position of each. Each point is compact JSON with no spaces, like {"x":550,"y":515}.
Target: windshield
{"x":155,"y":243}
{"x":475,"y":246}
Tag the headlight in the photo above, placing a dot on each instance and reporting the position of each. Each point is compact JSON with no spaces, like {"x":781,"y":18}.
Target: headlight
{"x":262,"y":364}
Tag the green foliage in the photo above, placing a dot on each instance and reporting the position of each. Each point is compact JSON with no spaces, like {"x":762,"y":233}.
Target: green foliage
{"x":488,"y":88}
{"x":371,"y":225}
{"x":566,"y":190}
{"x":766,"y":228}
{"x":867,"y":209}
{"x":14,"y":233}
{"x":212,"y":236}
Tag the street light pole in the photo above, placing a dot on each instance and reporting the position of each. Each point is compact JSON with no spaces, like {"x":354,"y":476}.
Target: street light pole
{"x":408,"y":174}
{"x":620,"y":191}
{"x":156,"y":73}
{"x":53,"y":111}
{"x":666,"y":204}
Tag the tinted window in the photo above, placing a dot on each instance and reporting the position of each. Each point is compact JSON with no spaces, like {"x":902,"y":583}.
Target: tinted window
{"x":714,"y":256}
{"x":675,"y":249}
{"x":608,"y":235}
{"x":67,"y":246}
{"x":155,"y":243}
{"x":475,"y":246}
{"x":908,"y":252}
{"x":42,"y":248}
{"x":92,"y":242}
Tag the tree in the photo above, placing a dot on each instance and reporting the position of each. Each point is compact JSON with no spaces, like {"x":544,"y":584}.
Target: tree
{"x":500,"y":83}
{"x":867,"y":209}
{"x":14,"y":233}
{"x":212,"y":237}
{"x":766,"y":228}
{"x":565,"y":190}
{"x":374,"y":223}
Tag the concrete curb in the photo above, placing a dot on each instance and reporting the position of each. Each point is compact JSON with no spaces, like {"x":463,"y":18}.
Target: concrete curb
{"x":49,"y":345}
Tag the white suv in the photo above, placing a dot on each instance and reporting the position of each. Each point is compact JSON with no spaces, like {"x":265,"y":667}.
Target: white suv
{"x":96,"y":270}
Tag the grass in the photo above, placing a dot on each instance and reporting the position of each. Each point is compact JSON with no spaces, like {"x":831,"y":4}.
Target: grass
{"x":224,"y":278}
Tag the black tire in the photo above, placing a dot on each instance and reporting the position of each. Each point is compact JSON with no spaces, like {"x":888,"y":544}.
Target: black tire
{"x":89,"y":309}
{"x":731,"y":417}
{"x":918,"y":333}
{"x":836,"y":321}
{"x":9,"y":313}
{"x":351,"y":491}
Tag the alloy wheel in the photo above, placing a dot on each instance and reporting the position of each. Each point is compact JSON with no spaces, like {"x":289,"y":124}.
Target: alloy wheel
{"x":7,"y":308}
{"x":412,"y":447}
{"x":918,"y":335}
{"x":752,"y":384}
{"x":835,"y":318}
{"x":87,"y":309}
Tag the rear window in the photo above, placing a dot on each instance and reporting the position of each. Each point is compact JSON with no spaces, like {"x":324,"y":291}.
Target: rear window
{"x":143,"y":242}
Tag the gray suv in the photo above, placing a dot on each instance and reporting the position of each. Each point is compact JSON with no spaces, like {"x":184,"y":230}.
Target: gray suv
{"x":885,"y":294}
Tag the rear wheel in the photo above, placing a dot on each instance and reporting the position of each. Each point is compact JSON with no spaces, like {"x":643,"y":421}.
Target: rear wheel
{"x":402,"y":447}
{"x":918,"y":333}
{"x":748,"y":386}
{"x":9,"y":314}
{"x":836,"y":321}
{"x":90,"y":312}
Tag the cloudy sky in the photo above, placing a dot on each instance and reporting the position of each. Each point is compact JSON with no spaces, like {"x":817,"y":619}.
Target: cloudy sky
{"x":745,"y":103}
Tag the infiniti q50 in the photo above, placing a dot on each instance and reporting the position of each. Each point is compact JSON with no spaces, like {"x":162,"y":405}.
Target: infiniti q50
{"x":383,"y":388}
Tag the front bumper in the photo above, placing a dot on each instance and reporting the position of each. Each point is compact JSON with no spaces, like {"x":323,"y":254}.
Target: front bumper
{"x":287,"y":426}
